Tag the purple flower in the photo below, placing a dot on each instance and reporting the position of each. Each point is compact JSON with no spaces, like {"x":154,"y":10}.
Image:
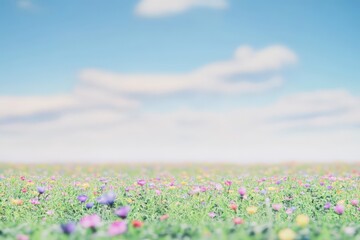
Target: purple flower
{"x":327,"y":205}
{"x":68,"y":228}
{"x":141,"y":182}
{"x":329,"y":187}
{"x":90,"y":221}
{"x":117,"y":228}
{"x":122,"y":212}
{"x":339,"y":209}
{"x":242,"y":191}
{"x":82,"y":198}
{"x":41,"y":190}
{"x":107,"y":199}
{"x":89,"y":205}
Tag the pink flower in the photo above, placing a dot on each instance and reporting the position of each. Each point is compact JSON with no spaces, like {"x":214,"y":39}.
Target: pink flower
{"x":354,"y":202}
{"x":238,"y":221}
{"x":339,"y":209}
{"x":242,"y":191}
{"x":90,"y":221}
{"x":22,"y":237}
{"x":117,"y":228}
{"x":34,"y":201}
{"x":141,"y":182}
{"x":276,"y":206}
{"x":164,"y":217}
{"x":228,"y":183}
{"x":212,"y":214}
{"x":158,"y":192}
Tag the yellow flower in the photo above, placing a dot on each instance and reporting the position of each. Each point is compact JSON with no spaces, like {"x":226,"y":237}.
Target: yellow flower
{"x":231,"y":191}
{"x":85,"y":185}
{"x":302,"y":220}
{"x":341,"y":202}
{"x":183,"y":183}
{"x":17,"y":202}
{"x":29,"y":183}
{"x":251,"y":210}
{"x":271,"y":188}
{"x":129,"y":200}
{"x":287,"y":234}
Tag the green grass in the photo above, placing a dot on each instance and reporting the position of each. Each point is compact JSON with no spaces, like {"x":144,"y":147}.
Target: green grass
{"x":188,"y":211}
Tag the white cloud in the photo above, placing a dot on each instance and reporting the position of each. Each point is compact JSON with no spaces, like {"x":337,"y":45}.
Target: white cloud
{"x":25,"y":4}
{"x":159,"y":8}
{"x":224,"y":77}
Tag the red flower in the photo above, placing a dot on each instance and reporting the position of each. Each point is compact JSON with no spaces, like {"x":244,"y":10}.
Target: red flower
{"x":137,"y":224}
{"x":233,"y":206}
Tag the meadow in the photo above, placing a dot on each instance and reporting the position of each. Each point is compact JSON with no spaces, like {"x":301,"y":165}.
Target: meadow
{"x":285,"y":202}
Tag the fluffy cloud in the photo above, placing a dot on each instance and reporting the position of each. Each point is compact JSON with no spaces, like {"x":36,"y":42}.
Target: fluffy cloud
{"x":159,"y":8}
{"x":105,"y":118}
{"x":231,"y":76}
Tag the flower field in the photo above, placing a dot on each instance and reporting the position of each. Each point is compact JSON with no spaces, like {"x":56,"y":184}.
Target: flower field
{"x":180,"y":202}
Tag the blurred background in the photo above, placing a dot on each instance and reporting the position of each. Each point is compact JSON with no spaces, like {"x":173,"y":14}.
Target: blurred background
{"x":179,"y":80}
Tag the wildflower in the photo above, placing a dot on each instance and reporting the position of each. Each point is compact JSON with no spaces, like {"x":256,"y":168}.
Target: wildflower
{"x":164,"y":217}
{"x":24,"y":190}
{"x":339,"y":209}
{"x":50,"y":212}
{"x":117,"y":228}
{"x":212,"y":214}
{"x":89,"y":205}
{"x":251,"y":210}
{"x":68,"y":228}
{"x":233,"y":206}
{"x":327,"y":205}
{"x":350,"y":231}
{"x":286,"y":234}
{"x":17,"y":202}
{"x":122,"y":212}
{"x":22,"y":178}
{"x":90,"y":221}
{"x":34,"y":201}
{"x":107,"y":199}
{"x":238,"y":221}
{"x":137,"y":224}
{"x":354,"y":202}
{"x":141,"y":182}
{"x":228,"y":183}
{"x":302,"y":220}
{"x":82,"y":198}
{"x":242,"y":191}
{"x":22,"y":237}
{"x":40,"y":190}
{"x":276,"y":206}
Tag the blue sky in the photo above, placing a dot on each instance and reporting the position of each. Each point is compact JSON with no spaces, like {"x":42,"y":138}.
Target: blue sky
{"x":45,"y":47}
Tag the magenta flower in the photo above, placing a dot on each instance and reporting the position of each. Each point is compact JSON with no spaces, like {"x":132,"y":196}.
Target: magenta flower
{"x":90,"y":221}
{"x":141,"y":182}
{"x":117,"y":228}
{"x":242,"y":191}
{"x":339,"y":209}
{"x":122,"y":212}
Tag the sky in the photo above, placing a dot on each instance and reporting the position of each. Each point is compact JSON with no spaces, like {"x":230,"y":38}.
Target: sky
{"x":235,"y":81}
